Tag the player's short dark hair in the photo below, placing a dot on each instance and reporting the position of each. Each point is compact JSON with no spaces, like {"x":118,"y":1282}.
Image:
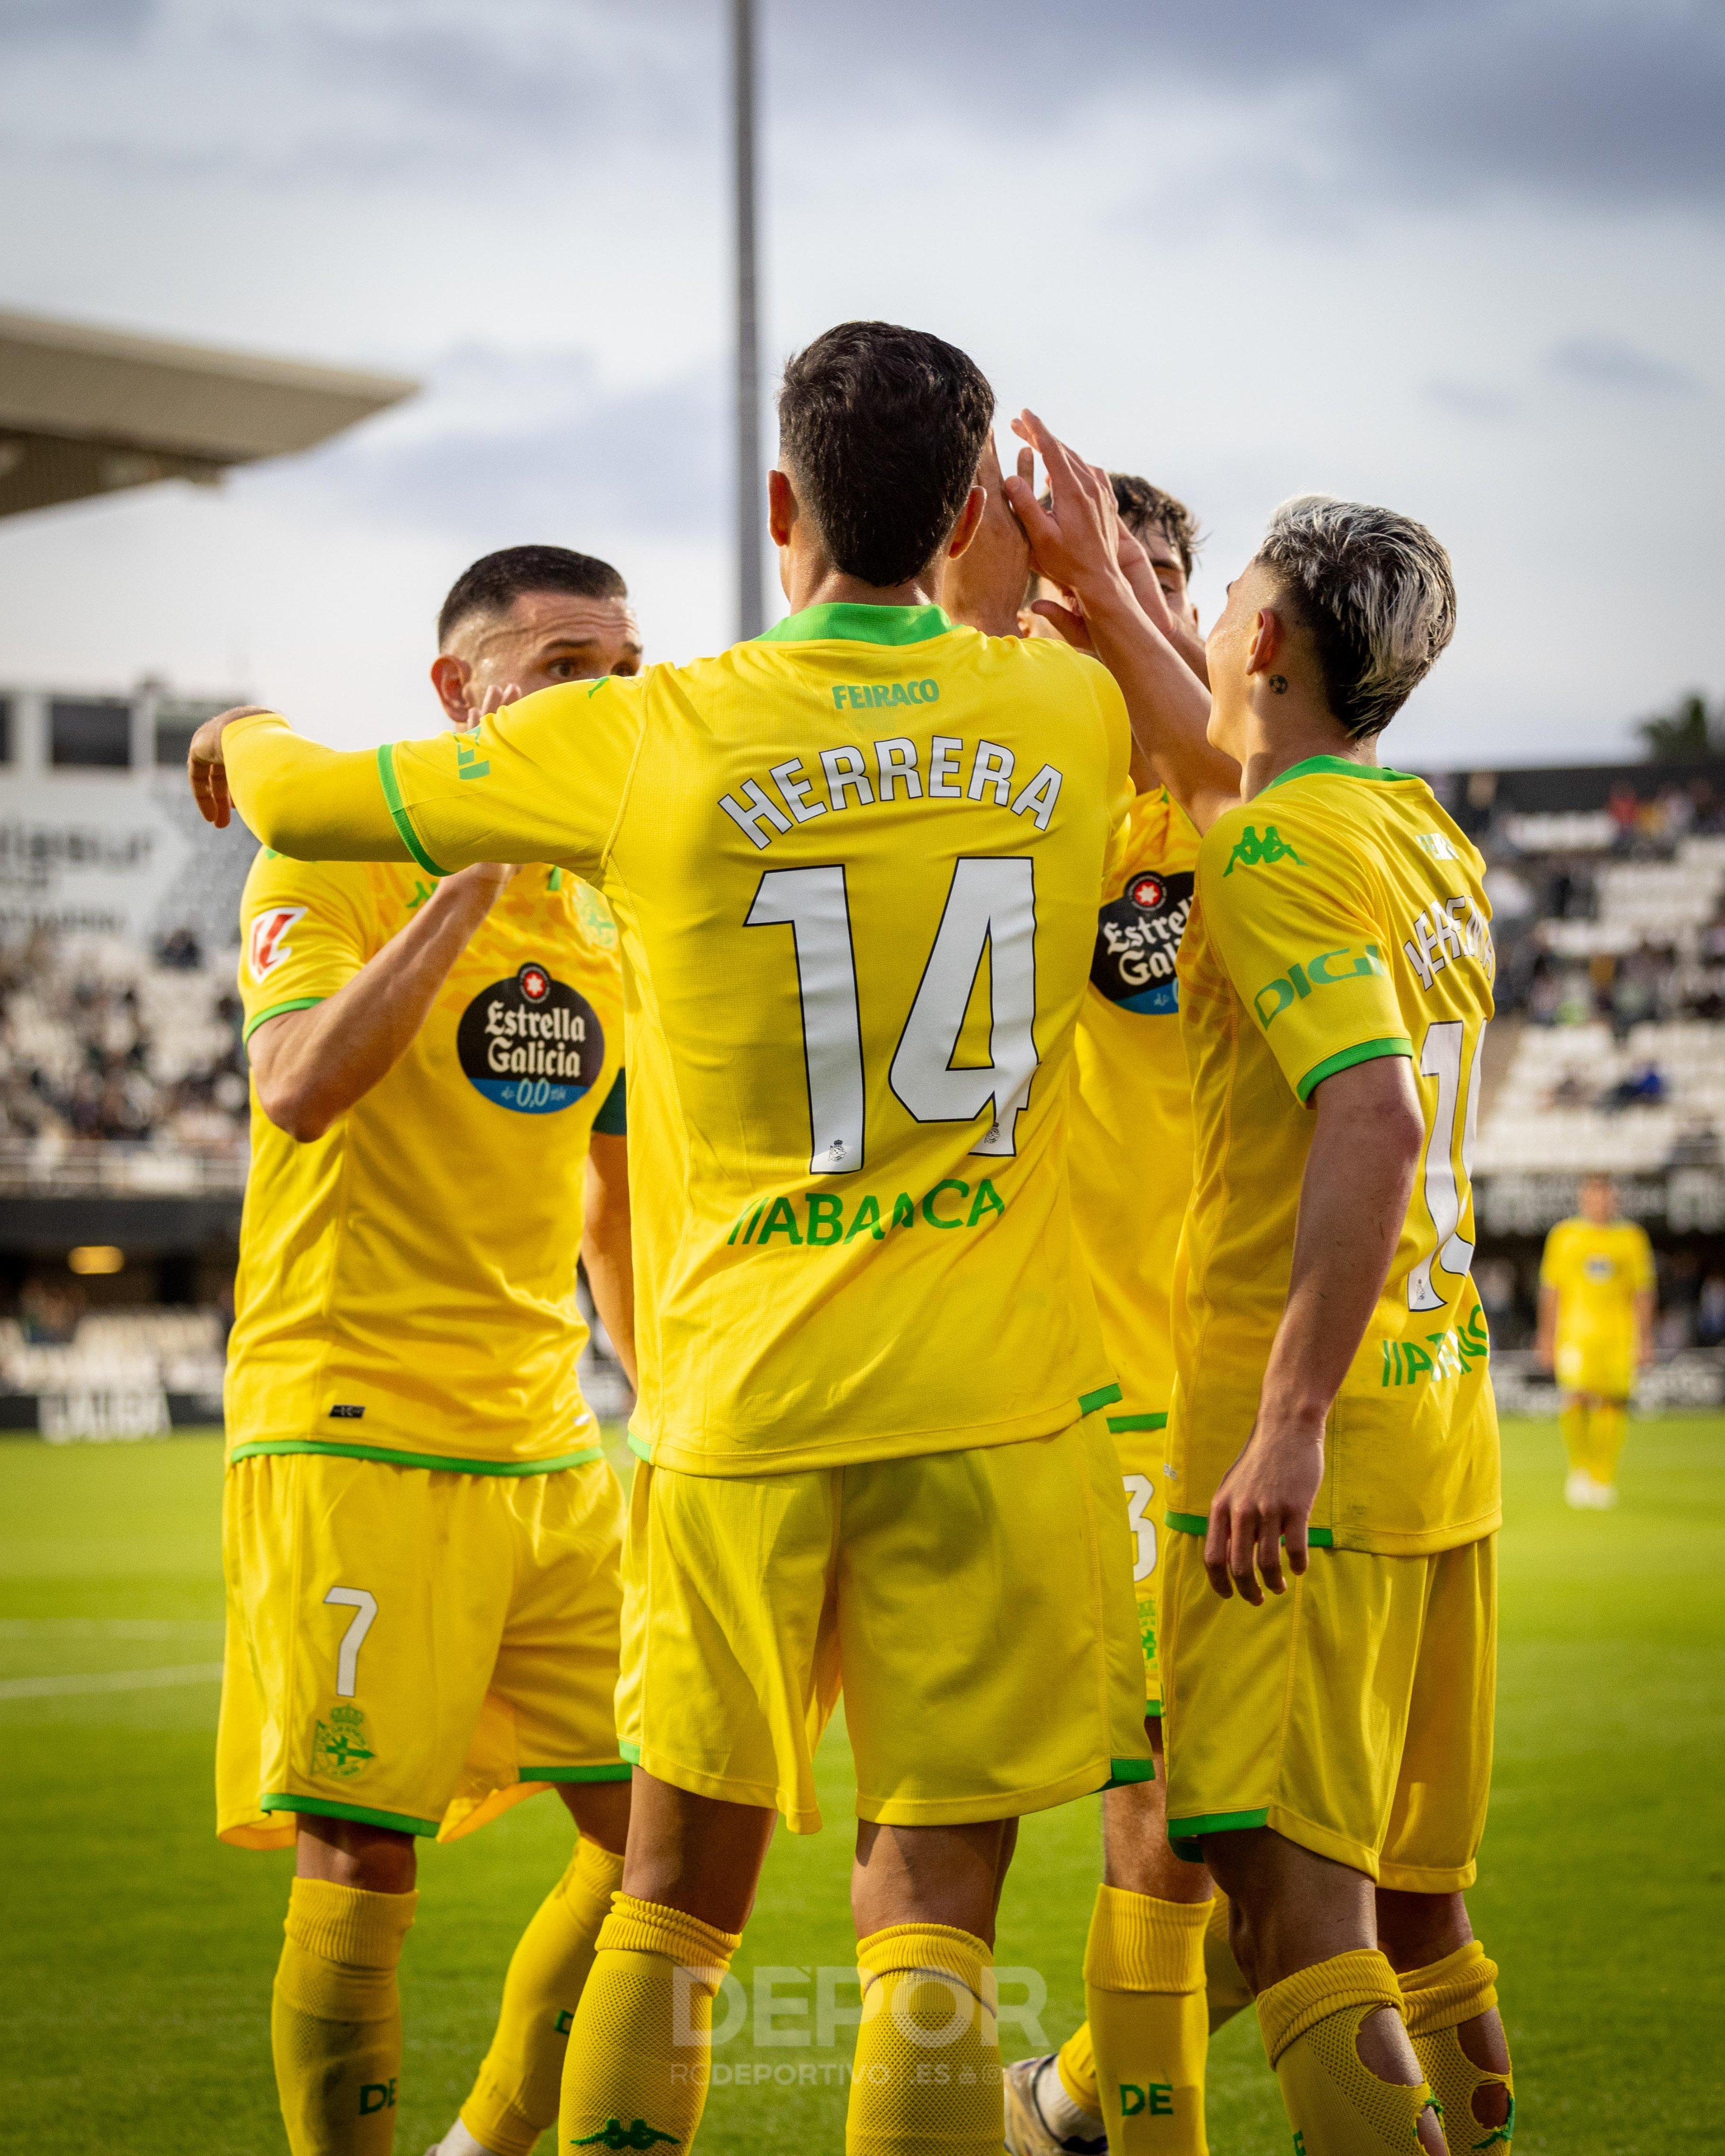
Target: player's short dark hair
{"x":496,"y":581}
{"x":1144,"y":508}
{"x":881,"y":428}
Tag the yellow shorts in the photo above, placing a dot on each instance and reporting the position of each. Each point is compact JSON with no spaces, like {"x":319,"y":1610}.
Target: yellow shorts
{"x":975,"y":1608}
{"x":413,"y":1647}
{"x":1353,"y":1714}
{"x":1602,"y":1363}
{"x":1142,"y":1452}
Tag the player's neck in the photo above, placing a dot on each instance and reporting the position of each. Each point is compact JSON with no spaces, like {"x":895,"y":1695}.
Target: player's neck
{"x":1273,"y":746}
{"x":815,"y":582}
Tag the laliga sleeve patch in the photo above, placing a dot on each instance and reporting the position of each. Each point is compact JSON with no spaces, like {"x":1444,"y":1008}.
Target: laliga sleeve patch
{"x":1138,"y":942}
{"x":531,"y":1043}
{"x":267,"y":943}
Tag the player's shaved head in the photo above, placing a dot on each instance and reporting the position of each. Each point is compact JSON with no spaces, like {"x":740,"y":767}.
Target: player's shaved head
{"x":493,"y":584}
{"x":880,"y":429}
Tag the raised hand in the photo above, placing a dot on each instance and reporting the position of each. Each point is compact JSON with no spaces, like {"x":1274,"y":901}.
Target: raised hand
{"x":206,"y":769}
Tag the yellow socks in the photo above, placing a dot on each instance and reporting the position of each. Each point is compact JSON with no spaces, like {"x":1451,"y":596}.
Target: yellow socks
{"x":639,"y":2053}
{"x":927,"y":2081}
{"x":1573,"y":1421}
{"x":1144,"y":1986}
{"x":1335,"y":2104}
{"x":1075,"y":2063}
{"x":1226,"y":1989}
{"x":335,"y":2018}
{"x":1438,"y":2000}
{"x":1605,"y":1441}
{"x":516,"y":2097}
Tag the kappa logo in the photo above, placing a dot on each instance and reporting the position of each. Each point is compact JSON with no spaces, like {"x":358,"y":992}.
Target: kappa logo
{"x":1250,"y":850}
{"x":267,"y":946}
{"x":614,"y":2134}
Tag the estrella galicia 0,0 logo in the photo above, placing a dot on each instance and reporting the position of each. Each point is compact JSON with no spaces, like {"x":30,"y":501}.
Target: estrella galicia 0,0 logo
{"x":1138,"y":942}
{"x":531,"y":1044}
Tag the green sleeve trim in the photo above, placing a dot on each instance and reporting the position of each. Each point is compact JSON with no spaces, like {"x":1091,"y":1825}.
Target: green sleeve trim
{"x":611,"y":1122}
{"x":392,"y":1456}
{"x":1196,"y":1523}
{"x":1367,"y":1051}
{"x":401,"y":1822}
{"x":615,"y":1770}
{"x":1118,"y":1424}
{"x":1103,"y":1397}
{"x":638,"y":1446}
{"x":276,"y":1010}
{"x":398,"y":812}
{"x":1340,"y":767}
{"x":632,"y":1752}
{"x":1194,"y":1829}
{"x":1124,"y":1772}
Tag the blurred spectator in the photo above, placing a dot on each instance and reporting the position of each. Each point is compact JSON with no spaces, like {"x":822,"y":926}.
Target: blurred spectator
{"x":47,"y":1316}
{"x":1710,"y":1311}
{"x":1644,"y":1087}
{"x":180,"y":952}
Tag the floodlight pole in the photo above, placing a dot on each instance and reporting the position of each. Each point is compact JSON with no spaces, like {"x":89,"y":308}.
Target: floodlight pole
{"x":751,"y":610}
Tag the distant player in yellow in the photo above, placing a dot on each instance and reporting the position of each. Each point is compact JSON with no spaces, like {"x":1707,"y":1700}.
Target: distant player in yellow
{"x":1597,"y":1304}
{"x":1329,"y":1748}
{"x":1132,"y":2078}
{"x":855,"y":866}
{"x":421,"y":1536}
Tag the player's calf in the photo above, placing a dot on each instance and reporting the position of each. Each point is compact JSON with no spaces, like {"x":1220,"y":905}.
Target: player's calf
{"x":1450,"y":2001}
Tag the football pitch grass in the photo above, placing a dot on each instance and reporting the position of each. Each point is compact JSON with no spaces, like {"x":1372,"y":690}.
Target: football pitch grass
{"x":135,"y":1984}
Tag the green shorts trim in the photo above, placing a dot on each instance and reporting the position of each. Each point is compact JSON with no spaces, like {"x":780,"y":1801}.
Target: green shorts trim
{"x":276,"y":1010}
{"x":1191,"y":1831}
{"x":1119,"y":1424}
{"x":398,"y":812}
{"x":1103,"y":1397}
{"x":1124,"y":1772}
{"x":631,"y":1752}
{"x":616,"y":1770}
{"x":325,"y":1808}
{"x":1196,"y":1523}
{"x":391,"y":1458}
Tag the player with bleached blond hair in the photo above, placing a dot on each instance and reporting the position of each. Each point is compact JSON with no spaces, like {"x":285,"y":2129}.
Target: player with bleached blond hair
{"x":1328,"y":1615}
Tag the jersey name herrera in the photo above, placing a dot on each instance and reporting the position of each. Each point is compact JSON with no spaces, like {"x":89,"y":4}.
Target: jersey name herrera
{"x":1138,"y":942}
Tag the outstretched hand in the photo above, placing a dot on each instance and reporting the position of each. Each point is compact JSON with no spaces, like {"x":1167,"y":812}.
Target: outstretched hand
{"x":206,"y":769}
{"x":1074,"y":540}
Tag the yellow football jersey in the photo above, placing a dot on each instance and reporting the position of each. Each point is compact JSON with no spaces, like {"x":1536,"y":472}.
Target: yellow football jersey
{"x":854,"y":863}
{"x":407,"y":1281}
{"x":1597,"y":1273}
{"x":1340,"y":915}
{"x":1131,"y":1117}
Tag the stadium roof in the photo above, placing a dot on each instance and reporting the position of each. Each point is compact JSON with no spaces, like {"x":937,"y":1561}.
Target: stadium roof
{"x":88,"y":411}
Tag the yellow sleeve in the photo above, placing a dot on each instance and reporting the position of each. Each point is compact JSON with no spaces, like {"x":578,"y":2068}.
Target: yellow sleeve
{"x":1121,"y":794}
{"x":302,"y":935}
{"x":543,"y":780}
{"x":1281,"y":905}
{"x":314,"y":804}
{"x":1553,"y":1272}
{"x":1645,"y":1275}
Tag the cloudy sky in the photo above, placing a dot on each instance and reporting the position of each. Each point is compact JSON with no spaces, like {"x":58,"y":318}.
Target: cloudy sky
{"x":1465,"y":258}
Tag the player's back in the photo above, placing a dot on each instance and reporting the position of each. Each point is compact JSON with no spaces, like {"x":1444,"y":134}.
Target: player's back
{"x":1341,"y":917}
{"x":856,"y":865}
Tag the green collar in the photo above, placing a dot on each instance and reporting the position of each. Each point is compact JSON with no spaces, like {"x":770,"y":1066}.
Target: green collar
{"x":843,"y":623}
{"x":1344,"y":767}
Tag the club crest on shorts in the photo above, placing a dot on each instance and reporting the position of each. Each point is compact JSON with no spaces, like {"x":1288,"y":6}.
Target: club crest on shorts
{"x":267,"y":943}
{"x":342,"y":1748}
{"x":532,"y":1044}
{"x":1138,"y":942}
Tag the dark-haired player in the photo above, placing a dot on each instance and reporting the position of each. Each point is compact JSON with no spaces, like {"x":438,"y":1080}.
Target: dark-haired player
{"x":422,"y":1539}
{"x":855,"y":866}
{"x":1133,"y":2076}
